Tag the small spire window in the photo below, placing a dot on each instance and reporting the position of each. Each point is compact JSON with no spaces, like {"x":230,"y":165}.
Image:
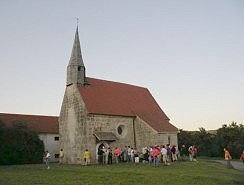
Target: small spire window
{"x":79,"y":68}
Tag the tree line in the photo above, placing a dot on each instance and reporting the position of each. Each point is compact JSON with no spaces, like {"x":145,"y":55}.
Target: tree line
{"x":211,"y":144}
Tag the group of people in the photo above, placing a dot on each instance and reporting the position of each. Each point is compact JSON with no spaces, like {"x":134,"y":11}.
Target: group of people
{"x":152,"y":155}
{"x":164,"y":154}
{"x":47,"y":157}
{"x":105,"y":155}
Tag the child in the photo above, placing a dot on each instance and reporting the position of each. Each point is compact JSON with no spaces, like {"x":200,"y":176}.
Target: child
{"x":86,"y":156}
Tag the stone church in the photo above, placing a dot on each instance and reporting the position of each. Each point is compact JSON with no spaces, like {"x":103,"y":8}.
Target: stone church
{"x":98,"y":112}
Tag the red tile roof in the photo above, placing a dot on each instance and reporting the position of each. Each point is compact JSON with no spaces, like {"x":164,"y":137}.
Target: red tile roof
{"x":113,"y":98}
{"x":40,"y":124}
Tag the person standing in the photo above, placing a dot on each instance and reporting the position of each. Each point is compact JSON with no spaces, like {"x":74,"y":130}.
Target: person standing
{"x":183,"y":151}
{"x":190,"y":152}
{"x":116,"y":154}
{"x":228,"y":158}
{"x":125,"y":154}
{"x":144,"y":153}
{"x":155,"y":154}
{"x":194,"y":153}
{"x":86,"y":156}
{"x":110,"y":156}
{"x":100,"y":155}
{"x":47,"y":159}
{"x":136,"y":155}
{"x":164,"y":155}
{"x":242,"y":157}
{"x":169,"y":153}
{"x":227,"y":154}
{"x":61,"y":156}
{"x":173,"y":152}
{"x":132,"y":156}
{"x":106,"y":155}
{"x":128,"y":154}
{"x":150,"y":155}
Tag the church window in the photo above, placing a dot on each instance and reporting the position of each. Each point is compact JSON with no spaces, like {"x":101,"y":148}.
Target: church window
{"x":79,"y":68}
{"x":56,"y":138}
{"x":120,"y":130}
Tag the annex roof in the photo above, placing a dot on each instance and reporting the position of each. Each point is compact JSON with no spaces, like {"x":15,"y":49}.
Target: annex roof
{"x":40,"y":124}
{"x":105,"y":136}
{"x":120,"y":99}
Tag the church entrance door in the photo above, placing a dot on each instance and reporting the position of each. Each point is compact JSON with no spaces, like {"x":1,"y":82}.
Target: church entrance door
{"x":100,"y":146}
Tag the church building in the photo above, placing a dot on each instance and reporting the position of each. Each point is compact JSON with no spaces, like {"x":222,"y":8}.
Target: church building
{"x":98,"y":112}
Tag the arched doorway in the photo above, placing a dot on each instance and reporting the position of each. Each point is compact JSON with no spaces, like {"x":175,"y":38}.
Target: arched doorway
{"x":100,"y":145}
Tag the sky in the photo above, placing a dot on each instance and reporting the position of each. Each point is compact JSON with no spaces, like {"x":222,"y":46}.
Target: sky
{"x":189,"y":54}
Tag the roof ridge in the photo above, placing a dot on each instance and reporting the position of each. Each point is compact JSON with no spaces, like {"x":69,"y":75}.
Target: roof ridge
{"x":123,"y":83}
{"x":23,"y":114}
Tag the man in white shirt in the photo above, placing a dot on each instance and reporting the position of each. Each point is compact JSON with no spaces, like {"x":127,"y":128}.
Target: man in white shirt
{"x":164,"y":155}
{"x":47,"y":159}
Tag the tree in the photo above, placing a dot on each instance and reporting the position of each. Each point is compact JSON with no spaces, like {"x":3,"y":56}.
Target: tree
{"x":212,"y":145}
{"x":204,"y":141}
{"x":19,"y":144}
{"x":231,"y":137}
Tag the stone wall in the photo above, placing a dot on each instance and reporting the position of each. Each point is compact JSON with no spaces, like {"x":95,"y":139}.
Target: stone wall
{"x":71,"y":133}
{"x":146,"y":135}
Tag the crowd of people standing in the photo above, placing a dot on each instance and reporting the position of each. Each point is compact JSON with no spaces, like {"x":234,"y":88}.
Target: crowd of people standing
{"x":149,"y":154}
{"x":153,"y":155}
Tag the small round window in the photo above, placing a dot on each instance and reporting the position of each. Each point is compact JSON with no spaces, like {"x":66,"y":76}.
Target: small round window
{"x":120,"y":130}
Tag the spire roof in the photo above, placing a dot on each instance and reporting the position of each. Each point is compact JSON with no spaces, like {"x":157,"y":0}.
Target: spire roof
{"x":76,"y":57}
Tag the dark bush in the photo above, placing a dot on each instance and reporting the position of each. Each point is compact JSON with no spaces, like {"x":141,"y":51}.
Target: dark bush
{"x":19,"y":144}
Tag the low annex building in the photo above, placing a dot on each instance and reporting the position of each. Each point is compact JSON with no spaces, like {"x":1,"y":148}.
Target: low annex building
{"x":98,"y":113}
{"x":45,"y":126}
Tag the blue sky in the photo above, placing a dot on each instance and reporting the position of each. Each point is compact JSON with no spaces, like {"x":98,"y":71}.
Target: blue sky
{"x":189,"y":54}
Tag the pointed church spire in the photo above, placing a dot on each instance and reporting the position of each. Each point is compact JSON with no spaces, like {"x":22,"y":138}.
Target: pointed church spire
{"x":76,"y":69}
{"x":76,"y":57}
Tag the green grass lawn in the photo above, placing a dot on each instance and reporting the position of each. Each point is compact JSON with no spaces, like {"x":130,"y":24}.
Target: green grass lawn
{"x":179,"y":173}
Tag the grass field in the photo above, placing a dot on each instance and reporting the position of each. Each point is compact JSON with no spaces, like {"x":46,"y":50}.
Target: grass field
{"x":179,"y":173}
